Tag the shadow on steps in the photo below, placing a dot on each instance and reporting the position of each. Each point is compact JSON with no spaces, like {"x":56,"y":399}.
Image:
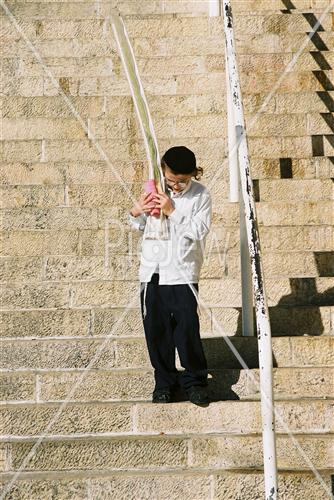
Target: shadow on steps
{"x":299,"y":312}
{"x":219,"y":386}
{"x":296,"y":314}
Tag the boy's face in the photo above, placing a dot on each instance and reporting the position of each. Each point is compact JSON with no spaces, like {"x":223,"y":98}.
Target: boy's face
{"x":177,"y":182}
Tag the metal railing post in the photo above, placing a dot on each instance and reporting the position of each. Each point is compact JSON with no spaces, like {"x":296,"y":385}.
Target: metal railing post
{"x":248,"y":215}
{"x":235,"y":196}
{"x":214,"y":8}
{"x":232,"y":150}
{"x":246,"y":277}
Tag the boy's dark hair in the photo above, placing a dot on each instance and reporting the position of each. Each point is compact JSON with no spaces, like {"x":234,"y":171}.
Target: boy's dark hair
{"x":181,"y":160}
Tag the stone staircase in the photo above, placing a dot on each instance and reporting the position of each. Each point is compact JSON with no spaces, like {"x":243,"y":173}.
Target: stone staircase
{"x":76,"y":417}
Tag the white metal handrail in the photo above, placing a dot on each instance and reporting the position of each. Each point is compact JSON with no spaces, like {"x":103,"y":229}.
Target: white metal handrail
{"x":251,"y":256}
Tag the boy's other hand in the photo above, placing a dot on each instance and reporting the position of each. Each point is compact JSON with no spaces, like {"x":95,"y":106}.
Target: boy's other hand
{"x":163,"y":201}
{"x":143,"y":206}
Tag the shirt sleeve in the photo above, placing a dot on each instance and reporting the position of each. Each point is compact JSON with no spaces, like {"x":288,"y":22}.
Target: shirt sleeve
{"x":139,"y":222}
{"x":198,"y":224}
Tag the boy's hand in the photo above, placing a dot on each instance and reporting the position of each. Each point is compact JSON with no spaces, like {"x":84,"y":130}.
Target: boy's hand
{"x":143,"y":206}
{"x":163,"y":201}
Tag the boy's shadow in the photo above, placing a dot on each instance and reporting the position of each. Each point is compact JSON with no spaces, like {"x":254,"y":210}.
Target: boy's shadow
{"x":297,"y":313}
{"x":220,"y":384}
{"x":223,"y":367}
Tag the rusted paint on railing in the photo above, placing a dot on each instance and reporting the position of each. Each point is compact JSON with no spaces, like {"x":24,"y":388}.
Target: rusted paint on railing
{"x":261,"y":308}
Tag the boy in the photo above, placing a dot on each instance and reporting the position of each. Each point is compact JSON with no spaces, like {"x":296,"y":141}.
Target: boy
{"x":169,"y":275}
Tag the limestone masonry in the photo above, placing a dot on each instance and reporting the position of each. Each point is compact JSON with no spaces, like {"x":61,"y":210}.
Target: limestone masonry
{"x":75,"y":370}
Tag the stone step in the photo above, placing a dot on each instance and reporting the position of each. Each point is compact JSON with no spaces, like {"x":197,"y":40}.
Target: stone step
{"x":264,"y":14}
{"x":90,"y":242}
{"x":107,"y":352}
{"x":46,"y":323}
{"x":137,"y":384}
{"x":167,"y":453}
{"x":173,"y":485}
{"x":276,"y":239}
{"x":99,"y":108}
{"x":79,"y":194}
{"x":218,"y":263}
{"x":115,"y":84}
{"x":267,"y":43}
{"x":53,"y":174}
{"x":282,"y":42}
{"x":30,"y":195}
{"x":68,"y":59}
{"x":284,"y":214}
{"x":268,"y":5}
{"x":298,"y":125}
{"x":53,"y":108}
{"x":250,"y":23}
{"x":280,"y":264}
{"x":73,"y":10}
{"x":278,"y":161}
{"x":294,"y":213}
{"x":252,"y":7}
{"x":299,"y":291}
{"x":112,"y":419}
{"x":267,"y":190}
{"x":106,"y":443}
{"x":155,"y":25}
{"x":66,"y":26}
{"x":263,"y":125}
{"x":285,"y":321}
{"x":74,"y":60}
{"x":113,"y":293}
{"x":264,"y":148}
{"x":97,"y":172}
{"x":297,"y":168}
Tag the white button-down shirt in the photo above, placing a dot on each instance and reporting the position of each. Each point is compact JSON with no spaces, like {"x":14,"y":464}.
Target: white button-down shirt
{"x":178,"y":259}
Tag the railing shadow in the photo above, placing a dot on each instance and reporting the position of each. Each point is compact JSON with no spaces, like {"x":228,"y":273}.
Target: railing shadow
{"x":298,"y":313}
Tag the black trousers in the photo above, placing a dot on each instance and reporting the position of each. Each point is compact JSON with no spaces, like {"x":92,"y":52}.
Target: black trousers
{"x":171,"y":321}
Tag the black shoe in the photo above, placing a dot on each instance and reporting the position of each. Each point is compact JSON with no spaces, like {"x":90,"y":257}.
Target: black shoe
{"x":198,"y":395}
{"x":161,"y":396}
